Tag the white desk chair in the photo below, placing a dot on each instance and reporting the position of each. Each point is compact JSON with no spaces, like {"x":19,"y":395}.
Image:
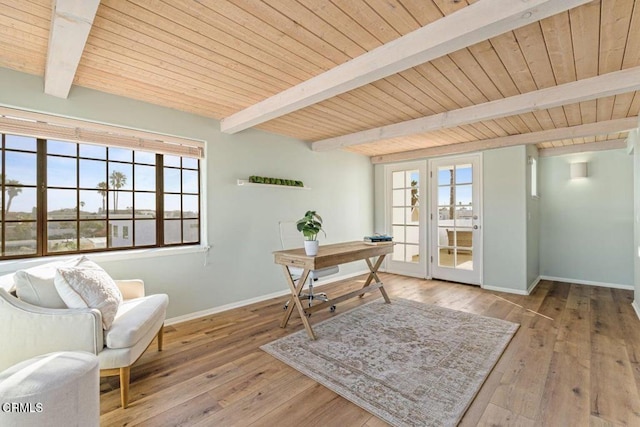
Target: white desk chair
{"x":291,"y":238}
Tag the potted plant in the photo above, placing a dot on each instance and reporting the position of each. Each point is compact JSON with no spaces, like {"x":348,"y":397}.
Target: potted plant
{"x":310,"y":225}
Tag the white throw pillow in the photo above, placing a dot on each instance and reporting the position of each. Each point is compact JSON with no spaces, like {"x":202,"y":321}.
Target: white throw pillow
{"x":88,"y":285}
{"x":35,"y":285}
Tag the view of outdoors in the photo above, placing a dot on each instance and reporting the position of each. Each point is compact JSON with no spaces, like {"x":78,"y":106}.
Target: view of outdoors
{"x":94,"y":197}
{"x":405,"y":216}
{"x":455,"y":216}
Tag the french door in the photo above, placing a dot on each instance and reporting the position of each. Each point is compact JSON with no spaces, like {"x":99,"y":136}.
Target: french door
{"x":406,"y":218}
{"x":455,"y":219}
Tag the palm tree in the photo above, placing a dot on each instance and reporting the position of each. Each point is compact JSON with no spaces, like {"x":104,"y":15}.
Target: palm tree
{"x":452,"y":195}
{"x":117,"y":180}
{"x":12,"y":189}
{"x":414,"y":194}
{"x":102,"y":190}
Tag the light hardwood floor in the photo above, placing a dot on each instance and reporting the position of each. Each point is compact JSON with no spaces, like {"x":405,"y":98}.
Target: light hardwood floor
{"x":575,"y":361}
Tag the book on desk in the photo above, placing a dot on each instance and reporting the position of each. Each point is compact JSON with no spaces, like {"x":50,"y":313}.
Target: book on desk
{"x":378,"y":239}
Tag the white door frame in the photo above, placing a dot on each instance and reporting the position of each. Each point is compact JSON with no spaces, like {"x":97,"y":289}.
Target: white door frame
{"x":475,"y":276}
{"x":418,"y":269}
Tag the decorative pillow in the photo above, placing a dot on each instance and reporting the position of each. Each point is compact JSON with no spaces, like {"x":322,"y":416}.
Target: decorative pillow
{"x":35,"y":285}
{"x":88,"y":285}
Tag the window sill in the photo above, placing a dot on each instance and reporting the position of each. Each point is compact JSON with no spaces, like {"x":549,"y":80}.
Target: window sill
{"x":11,"y":266}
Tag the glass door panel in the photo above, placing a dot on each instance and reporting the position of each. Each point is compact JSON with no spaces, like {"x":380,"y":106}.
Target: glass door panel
{"x":406,"y":218}
{"x":406,"y":213}
{"x":455,"y":219}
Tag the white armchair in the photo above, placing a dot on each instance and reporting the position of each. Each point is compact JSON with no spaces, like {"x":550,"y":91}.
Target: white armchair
{"x":28,"y":330}
{"x":54,"y":389}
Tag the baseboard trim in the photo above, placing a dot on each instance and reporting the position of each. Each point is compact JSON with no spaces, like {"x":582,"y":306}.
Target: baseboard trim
{"x":588,"y":283}
{"x":507,"y":290}
{"x":230,"y":306}
{"x":533,"y":285}
{"x":219,"y":309}
{"x":634,"y":304}
{"x":636,"y":308}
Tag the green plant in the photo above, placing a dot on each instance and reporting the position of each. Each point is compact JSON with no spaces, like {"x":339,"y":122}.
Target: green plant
{"x":310,"y":225}
{"x":275,"y":181}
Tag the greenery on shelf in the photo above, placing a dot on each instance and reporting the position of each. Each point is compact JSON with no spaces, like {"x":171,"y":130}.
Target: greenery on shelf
{"x":275,"y":181}
{"x":310,"y":225}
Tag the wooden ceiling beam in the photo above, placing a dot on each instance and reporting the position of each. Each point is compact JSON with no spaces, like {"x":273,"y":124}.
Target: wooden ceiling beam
{"x":569,"y":93}
{"x":472,"y":24}
{"x":612,"y":144}
{"x":580,"y":131}
{"x":71,"y":21}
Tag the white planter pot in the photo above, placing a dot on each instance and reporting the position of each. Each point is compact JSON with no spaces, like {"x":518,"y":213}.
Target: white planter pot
{"x":311,"y":247}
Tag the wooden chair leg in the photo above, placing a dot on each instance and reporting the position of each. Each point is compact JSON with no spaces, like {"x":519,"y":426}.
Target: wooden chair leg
{"x":125,"y":375}
{"x":160,"y":338}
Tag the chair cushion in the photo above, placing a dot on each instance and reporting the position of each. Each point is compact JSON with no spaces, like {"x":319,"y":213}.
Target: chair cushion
{"x":314,"y":274}
{"x":134,"y":319}
{"x":35,"y":285}
{"x":323,"y":272}
{"x":87,"y":285}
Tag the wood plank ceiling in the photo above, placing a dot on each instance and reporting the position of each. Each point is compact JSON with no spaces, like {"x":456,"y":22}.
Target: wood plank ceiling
{"x":217,"y":57}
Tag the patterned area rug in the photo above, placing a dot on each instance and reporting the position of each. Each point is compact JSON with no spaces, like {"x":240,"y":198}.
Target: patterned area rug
{"x":408,"y":363}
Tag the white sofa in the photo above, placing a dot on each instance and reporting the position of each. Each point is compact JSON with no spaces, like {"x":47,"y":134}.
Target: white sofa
{"x":34,"y":322}
{"x":54,"y":389}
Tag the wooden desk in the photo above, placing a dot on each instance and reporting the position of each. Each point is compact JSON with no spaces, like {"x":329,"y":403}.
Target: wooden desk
{"x":329,"y":256}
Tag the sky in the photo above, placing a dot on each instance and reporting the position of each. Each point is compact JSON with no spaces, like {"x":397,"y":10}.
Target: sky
{"x":62,"y":172}
{"x":462,"y":179}
{"x":463,"y":188}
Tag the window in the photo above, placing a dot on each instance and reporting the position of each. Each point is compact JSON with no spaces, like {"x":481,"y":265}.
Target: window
{"x":405,"y":218}
{"x":19,"y":184}
{"x":181,"y":200}
{"x":534,"y":178}
{"x":93,"y":198}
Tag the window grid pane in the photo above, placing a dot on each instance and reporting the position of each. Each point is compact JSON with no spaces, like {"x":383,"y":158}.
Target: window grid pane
{"x":181,"y":200}
{"x":96,"y":198}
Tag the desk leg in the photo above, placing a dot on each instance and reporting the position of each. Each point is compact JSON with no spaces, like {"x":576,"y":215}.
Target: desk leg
{"x":374,"y":275}
{"x":295,"y":300}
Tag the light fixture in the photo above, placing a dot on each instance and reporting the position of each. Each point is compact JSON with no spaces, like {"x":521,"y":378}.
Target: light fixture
{"x":578,"y":170}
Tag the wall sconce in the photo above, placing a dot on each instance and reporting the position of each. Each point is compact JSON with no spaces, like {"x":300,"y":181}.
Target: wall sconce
{"x":578,"y":170}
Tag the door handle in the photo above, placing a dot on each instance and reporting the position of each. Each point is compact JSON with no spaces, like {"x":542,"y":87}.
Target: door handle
{"x":475,"y":227}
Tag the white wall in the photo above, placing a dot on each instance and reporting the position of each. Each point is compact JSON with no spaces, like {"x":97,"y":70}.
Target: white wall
{"x":505,"y":227}
{"x":575,"y":231}
{"x":379,"y":225}
{"x":634,"y":146}
{"x":504,"y":218}
{"x":533,"y":222}
{"x":586,"y":234}
{"x":241,"y":222}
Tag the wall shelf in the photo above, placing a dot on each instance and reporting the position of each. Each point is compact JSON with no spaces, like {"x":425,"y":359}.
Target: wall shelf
{"x":246,"y":183}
